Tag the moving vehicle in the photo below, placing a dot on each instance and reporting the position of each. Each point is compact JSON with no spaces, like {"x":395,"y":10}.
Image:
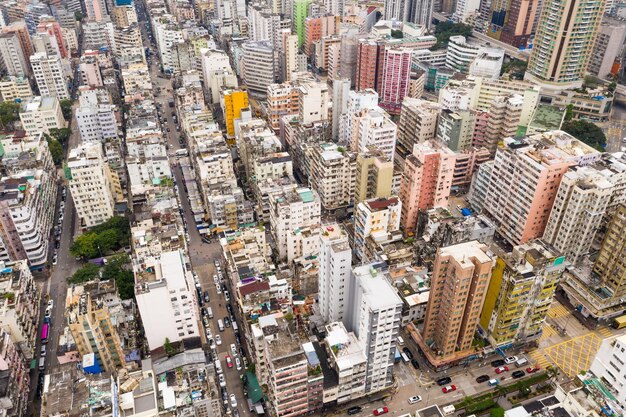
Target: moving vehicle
{"x":218,"y":366}
{"x":443,"y":381}
{"x":226,"y":321}
{"x":43,"y":350}
{"x":400,"y":340}
{"x":42,"y":363}
{"x":510,"y":360}
{"x":209,"y":311}
{"x":415,"y":399}
{"x":354,"y":410}
{"x":405,"y":358}
{"x":448,"y":389}
{"x":206,"y":296}
{"x":518,"y":374}
{"x":482,"y":378}
{"x":501,"y":369}
{"x":380,"y":411}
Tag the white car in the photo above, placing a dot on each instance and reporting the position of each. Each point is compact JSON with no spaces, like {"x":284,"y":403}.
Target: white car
{"x":222,"y":380}
{"x":233,"y":400}
{"x":218,"y":339}
{"x":238,"y":364}
{"x":216,"y":279}
{"x":233,"y":349}
{"x":415,"y":399}
{"x":50,"y":303}
{"x":511,"y":359}
{"x":218,"y":288}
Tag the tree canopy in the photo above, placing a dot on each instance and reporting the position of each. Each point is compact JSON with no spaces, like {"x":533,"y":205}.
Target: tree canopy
{"x":56,"y":150}
{"x":62,"y":135}
{"x":444,"y":30}
{"x":86,"y":273}
{"x":66,"y":108}
{"x":117,"y":270}
{"x":9,"y":113}
{"x":103,"y":239}
{"x":586,"y":132}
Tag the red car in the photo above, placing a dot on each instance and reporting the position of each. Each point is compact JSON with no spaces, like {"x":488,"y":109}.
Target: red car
{"x":531,"y":370}
{"x":448,"y":389}
{"x":502,"y":369}
{"x":229,"y":361}
{"x":381,"y":410}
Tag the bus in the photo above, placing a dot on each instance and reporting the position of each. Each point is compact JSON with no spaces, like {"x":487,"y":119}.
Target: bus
{"x":44,"y":333}
{"x":619,"y":322}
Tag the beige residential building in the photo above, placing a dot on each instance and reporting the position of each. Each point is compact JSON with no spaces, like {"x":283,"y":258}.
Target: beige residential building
{"x":579,"y":206}
{"x":281,"y":100}
{"x":609,"y":265}
{"x":501,"y":121}
{"x":374,"y":175}
{"x":15,"y":88}
{"x":376,"y":218}
{"x":372,"y":126}
{"x":93,"y":330}
{"x":458,"y":287}
{"x":418,"y":122}
{"x":333,"y":175}
{"x":89,"y":179}
{"x":40,"y":114}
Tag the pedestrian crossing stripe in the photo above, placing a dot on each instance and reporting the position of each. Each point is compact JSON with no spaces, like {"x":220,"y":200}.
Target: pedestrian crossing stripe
{"x":557,"y":311}
{"x":605,"y":332}
{"x":547,"y":331}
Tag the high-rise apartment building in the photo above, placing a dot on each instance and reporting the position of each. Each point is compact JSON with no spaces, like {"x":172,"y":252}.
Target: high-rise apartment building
{"x":13,"y":56}
{"x":458,"y":287}
{"x":395,"y":78}
{"x":426,"y":181}
{"x":577,"y":213}
{"x":19,"y":28}
{"x":96,"y":10}
{"x":40,"y":114}
{"x":500,"y":121}
{"x":563,"y":42}
{"x":295,"y":219}
{"x":374,"y":175}
{"x":372,"y":126}
{"x":89,"y":179}
{"x":53,"y":28}
{"x":12,"y":88}
{"x":260,"y":67}
{"x":51,"y":79}
{"x":373,"y":218}
{"x":607,"y":47}
{"x":334,"y":273}
{"x":312,"y":101}
{"x":93,"y":330}
{"x":232,"y":103}
{"x":609,"y":266}
{"x":95,"y":117}
{"x":418,"y":122}
{"x":512,"y":20}
{"x":282,"y":99}
{"x":525,"y":180}
{"x":356,"y":101}
{"x":375,"y":319}
{"x":455,"y":129}
{"x":521,"y":289}
{"x":166,"y":300}
{"x":315,"y":28}
{"x":333,"y":176}
{"x":369,"y":64}
{"x":300,"y":13}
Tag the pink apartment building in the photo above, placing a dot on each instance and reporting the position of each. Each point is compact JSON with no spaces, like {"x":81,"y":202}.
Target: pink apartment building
{"x":426,"y":181}
{"x":315,"y":28}
{"x":396,"y":78}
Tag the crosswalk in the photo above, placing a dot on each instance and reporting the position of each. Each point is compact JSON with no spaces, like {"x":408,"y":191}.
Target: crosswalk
{"x":557,"y":311}
{"x":540,"y":358}
{"x":547,"y":331}
{"x":604,"y":332}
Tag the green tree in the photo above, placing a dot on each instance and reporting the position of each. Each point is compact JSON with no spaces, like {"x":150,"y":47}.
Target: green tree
{"x":56,"y":150}
{"x":66,"y":108}
{"x":569,"y":112}
{"x":107,"y":241}
{"x":85,"y":246}
{"x":78,"y":15}
{"x":118,"y":223}
{"x":117,"y":270}
{"x":9,"y":113}
{"x":169,"y":348}
{"x":86,"y":273}
{"x":612,"y":86}
{"x":497,"y":412}
{"x":587,"y":132}
{"x":62,"y":135}
{"x":444,"y":30}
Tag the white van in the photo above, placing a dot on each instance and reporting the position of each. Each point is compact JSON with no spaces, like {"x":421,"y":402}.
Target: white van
{"x":220,"y":325}
{"x":209,"y":312}
{"x":521,"y":362}
{"x":235,"y":327}
{"x":218,"y":366}
{"x":400,"y":340}
{"x":42,"y":363}
{"x":448,"y":409}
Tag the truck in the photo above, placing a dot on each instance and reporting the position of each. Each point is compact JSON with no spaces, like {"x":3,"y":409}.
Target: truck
{"x":619,"y":322}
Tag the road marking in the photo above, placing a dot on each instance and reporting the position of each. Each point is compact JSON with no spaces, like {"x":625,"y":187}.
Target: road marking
{"x":605,"y":332}
{"x":576,"y":354}
{"x":558,"y":311}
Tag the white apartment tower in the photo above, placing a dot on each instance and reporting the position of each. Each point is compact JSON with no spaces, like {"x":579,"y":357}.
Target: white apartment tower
{"x":13,"y":56}
{"x":90,"y":184}
{"x":577,"y":212}
{"x":335,"y":261}
{"x":373,"y":127}
{"x":48,"y":72}
{"x":357,"y":100}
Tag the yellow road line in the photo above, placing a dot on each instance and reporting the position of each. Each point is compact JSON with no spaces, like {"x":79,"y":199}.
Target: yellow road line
{"x":574,"y":355}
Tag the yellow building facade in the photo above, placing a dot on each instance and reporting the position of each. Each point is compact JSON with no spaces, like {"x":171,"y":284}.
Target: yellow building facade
{"x":233,"y":101}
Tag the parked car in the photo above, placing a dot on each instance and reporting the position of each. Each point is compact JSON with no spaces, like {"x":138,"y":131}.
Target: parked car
{"x":448,"y":389}
{"x":206,"y":296}
{"x":233,"y":349}
{"x":229,"y":361}
{"x":510,"y":360}
{"x":415,"y":364}
{"x":226,"y":321}
{"x":518,"y":374}
{"x":444,"y":381}
{"x":482,"y":378}
{"x":381,"y":411}
{"x":407,"y":352}
{"x":222,"y":380}
{"x":354,"y":410}
{"x":233,"y":400}
{"x":238,"y":364}
{"x":497,"y":362}
{"x":501,"y":369}
{"x":531,"y":370}
{"x":218,"y":339}
{"x":415,"y":399}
